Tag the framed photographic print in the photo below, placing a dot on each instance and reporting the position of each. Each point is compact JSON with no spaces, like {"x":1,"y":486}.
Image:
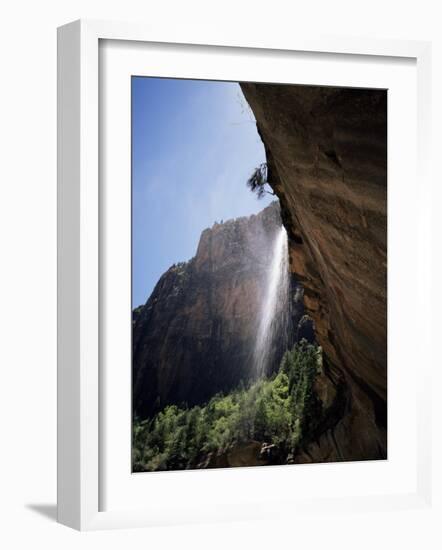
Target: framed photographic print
{"x":234,"y":260}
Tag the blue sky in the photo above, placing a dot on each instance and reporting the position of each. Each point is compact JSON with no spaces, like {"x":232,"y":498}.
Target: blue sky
{"x":194,"y":144}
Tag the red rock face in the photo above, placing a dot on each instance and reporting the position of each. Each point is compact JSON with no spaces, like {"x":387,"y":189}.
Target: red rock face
{"x":327,"y":157}
{"x":195,"y":335}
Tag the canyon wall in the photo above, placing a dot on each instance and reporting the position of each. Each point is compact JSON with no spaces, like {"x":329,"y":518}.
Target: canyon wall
{"x":327,"y":162}
{"x":196,"y":334}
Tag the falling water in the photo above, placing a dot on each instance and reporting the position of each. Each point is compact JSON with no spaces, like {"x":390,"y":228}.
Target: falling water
{"x":273,"y":323}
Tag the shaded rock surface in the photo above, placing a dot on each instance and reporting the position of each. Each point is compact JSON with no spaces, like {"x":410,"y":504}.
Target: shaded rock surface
{"x":327,"y":162}
{"x":196,"y":334}
{"x":245,"y":454}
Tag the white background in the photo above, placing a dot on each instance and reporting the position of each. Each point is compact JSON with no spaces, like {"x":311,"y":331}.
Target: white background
{"x":28,"y":276}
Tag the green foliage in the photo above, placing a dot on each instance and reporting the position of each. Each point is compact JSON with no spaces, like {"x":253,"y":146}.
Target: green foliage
{"x":279,"y":410}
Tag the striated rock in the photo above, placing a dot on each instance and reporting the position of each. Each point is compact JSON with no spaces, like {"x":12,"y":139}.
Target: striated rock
{"x":195,"y":335}
{"x":327,"y":162}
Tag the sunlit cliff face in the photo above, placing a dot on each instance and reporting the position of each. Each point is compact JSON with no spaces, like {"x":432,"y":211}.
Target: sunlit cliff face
{"x":217,"y":319}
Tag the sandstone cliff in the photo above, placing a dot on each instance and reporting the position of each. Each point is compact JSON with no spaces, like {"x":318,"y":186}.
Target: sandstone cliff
{"x":327,"y":158}
{"x":195,"y":335}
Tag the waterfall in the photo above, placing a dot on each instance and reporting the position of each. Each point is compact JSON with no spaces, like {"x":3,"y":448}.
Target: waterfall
{"x":274,"y":314}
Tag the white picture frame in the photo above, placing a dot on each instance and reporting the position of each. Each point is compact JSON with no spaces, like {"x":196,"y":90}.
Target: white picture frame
{"x":79,"y":275}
